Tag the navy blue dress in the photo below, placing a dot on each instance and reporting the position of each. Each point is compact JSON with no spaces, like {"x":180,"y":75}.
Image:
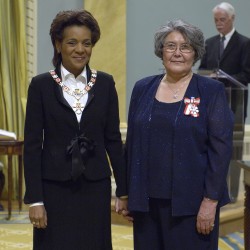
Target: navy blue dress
{"x":191,"y":155}
{"x":158,"y":229}
{"x":160,"y":155}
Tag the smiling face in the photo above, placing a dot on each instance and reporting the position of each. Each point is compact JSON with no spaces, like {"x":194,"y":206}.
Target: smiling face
{"x":75,"y":48}
{"x":223,"y":22}
{"x":177,"y":63}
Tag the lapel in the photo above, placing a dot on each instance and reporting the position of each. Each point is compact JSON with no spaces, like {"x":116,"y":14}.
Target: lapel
{"x":217,"y":46}
{"x":59,"y":91}
{"x":192,"y":91}
{"x":91,"y":92}
{"x":214,"y":49}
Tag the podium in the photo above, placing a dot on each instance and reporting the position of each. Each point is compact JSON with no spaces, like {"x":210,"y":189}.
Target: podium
{"x":236,"y":93}
{"x":245,"y":165}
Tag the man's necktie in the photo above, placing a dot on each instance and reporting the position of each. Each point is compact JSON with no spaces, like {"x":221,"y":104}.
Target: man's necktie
{"x":222,"y":39}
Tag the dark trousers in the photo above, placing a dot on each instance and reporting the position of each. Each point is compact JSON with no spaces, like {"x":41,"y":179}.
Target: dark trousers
{"x":159,"y":230}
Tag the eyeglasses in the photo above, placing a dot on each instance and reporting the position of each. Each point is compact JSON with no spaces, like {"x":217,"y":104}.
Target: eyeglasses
{"x":172,"y":47}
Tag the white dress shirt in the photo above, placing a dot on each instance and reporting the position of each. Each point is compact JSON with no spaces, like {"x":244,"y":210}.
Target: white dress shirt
{"x":228,"y":37}
{"x":73,"y":83}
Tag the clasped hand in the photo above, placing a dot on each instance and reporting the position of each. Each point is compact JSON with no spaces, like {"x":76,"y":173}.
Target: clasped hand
{"x":121,"y":207}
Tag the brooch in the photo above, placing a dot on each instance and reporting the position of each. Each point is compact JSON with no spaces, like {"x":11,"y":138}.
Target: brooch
{"x":191,"y":107}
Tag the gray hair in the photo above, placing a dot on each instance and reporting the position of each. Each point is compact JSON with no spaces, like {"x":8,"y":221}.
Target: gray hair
{"x":226,"y":7}
{"x":192,"y":34}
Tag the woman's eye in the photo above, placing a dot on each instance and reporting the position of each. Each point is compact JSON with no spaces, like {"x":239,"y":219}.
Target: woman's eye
{"x":87,"y":44}
{"x":71,"y":43}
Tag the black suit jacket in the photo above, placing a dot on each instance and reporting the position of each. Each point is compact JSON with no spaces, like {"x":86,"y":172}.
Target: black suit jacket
{"x":51,"y":124}
{"x":235,"y":59}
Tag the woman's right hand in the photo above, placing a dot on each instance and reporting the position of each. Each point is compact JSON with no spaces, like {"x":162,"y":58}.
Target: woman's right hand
{"x":126,"y":214}
{"x":206,"y":216}
{"x":38,"y":216}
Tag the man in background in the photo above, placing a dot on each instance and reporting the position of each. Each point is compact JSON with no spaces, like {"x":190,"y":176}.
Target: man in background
{"x":230,"y":52}
{"x":234,"y":57}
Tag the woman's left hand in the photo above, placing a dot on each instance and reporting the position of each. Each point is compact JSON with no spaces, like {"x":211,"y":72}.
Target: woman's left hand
{"x":206,"y":216}
{"x":121,"y":204}
{"x":121,"y":207}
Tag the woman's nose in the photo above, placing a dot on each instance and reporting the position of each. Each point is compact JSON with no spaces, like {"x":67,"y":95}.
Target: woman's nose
{"x":177,"y":51}
{"x":80,"y":47}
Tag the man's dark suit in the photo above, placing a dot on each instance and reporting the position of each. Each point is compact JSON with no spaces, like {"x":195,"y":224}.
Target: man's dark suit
{"x":51,"y":124}
{"x":235,"y":61}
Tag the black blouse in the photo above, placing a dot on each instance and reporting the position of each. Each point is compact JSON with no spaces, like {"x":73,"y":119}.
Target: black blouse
{"x":160,"y":149}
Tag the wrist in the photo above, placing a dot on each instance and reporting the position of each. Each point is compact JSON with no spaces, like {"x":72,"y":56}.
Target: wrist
{"x":210,"y":200}
{"x":124,"y":197}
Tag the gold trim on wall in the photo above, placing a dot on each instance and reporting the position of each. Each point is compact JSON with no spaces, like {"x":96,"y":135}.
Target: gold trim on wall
{"x":109,"y":54}
{"x":31,"y":36}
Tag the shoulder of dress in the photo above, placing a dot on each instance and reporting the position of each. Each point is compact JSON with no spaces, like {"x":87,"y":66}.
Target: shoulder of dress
{"x":42,"y":80}
{"x":102,"y":74}
{"x":148,"y":81}
{"x":42,"y":76}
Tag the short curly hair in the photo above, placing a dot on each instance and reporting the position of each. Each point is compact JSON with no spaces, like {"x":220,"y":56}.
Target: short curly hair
{"x":68,"y":18}
{"x":192,"y":34}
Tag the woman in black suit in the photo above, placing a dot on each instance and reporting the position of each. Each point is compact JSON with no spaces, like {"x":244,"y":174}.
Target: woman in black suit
{"x":72,"y":124}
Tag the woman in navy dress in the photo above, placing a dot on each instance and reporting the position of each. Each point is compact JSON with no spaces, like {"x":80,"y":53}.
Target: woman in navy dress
{"x":179,"y":144}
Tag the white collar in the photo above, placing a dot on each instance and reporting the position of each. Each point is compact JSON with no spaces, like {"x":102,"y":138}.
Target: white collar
{"x":229,"y":35}
{"x":65,"y":74}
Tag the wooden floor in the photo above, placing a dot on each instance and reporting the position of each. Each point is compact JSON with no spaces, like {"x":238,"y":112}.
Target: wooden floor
{"x":231,"y":217}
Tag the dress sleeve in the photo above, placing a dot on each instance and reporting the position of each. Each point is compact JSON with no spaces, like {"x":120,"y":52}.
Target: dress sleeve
{"x":220,"y":143}
{"x":33,"y":140}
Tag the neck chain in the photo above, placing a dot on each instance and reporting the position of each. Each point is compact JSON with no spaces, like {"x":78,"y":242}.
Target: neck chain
{"x":176,"y":92}
{"x":77,"y":93}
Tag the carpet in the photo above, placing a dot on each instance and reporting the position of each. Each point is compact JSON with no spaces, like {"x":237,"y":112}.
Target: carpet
{"x":16,"y":233}
{"x":16,"y":218}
